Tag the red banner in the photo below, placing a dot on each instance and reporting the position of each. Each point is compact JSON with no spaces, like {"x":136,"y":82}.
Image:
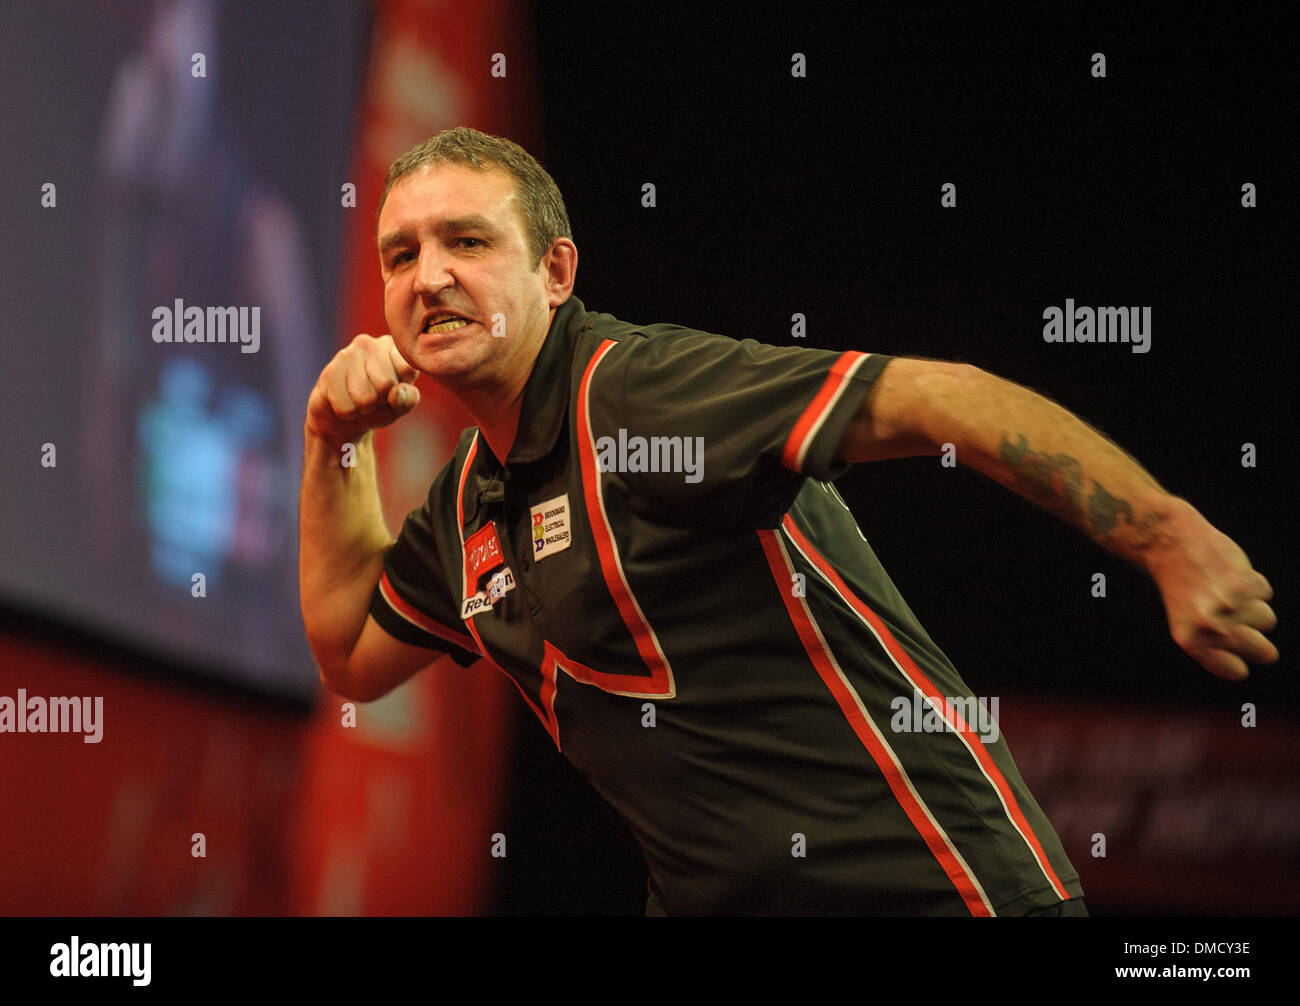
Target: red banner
{"x":401,"y":808}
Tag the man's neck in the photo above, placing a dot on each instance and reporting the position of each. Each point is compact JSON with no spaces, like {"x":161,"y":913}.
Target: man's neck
{"x":499,"y":430}
{"x":497,"y":405}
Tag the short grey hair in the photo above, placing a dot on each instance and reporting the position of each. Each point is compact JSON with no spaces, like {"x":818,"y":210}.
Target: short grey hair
{"x":545,"y":217}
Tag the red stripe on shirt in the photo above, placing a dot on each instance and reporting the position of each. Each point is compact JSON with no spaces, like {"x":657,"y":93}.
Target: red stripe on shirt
{"x":807,"y":425}
{"x":880,"y":752}
{"x":660,"y":681}
{"x":922,"y":683}
{"x":547,"y":717}
{"x":419,"y":619}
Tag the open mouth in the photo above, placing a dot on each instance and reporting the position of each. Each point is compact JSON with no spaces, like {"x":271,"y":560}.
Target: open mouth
{"x":444,"y":323}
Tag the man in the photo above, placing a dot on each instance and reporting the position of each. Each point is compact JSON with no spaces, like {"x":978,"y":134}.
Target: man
{"x":641,"y":533}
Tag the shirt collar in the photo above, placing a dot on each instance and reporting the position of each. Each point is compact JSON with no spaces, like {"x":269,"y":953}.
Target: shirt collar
{"x":546,"y":395}
{"x":541,"y":416}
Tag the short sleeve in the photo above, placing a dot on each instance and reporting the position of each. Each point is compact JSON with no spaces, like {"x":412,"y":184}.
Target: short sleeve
{"x":413,"y":601}
{"x":696,"y":420}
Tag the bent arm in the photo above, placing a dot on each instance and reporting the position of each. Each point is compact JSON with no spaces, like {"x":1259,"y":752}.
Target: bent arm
{"x":1215,"y":601}
{"x":342,"y":542}
{"x":1018,"y":438}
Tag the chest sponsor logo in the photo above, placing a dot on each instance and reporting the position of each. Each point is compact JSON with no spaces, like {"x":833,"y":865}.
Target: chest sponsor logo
{"x":500,"y":584}
{"x":483,"y":552}
{"x":486,"y":572}
{"x":551,"y":530}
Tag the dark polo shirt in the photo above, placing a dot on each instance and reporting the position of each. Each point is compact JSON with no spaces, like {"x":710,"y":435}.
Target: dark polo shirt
{"x":664,"y":570}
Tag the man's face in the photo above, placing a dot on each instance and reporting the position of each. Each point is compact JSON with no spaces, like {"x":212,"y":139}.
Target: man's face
{"x":452,"y":241}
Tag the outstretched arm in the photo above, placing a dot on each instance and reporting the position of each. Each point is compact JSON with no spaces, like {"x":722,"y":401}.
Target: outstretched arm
{"x":1216,"y":603}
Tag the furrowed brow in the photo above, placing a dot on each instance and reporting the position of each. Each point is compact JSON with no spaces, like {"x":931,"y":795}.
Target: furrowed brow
{"x":473,"y":222}
{"x":406,"y":235}
{"x":392,"y":239}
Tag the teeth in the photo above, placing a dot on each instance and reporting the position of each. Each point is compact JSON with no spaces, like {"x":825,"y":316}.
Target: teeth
{"x":448,"y":326}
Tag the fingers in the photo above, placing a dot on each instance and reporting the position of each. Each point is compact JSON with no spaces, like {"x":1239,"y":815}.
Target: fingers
{"x":1225,"y":652}
{"x":402,"y":398}
{"x":1226,"y":665}
{"x":362,"y":392}
{"x":1216,"y":602}
{"x":1256,"y":614}
{"x":366,"y":385}
{"x":1243,"y":632}
{"x":1252,"y":644}
{"x":1243,"y":590}
{"x":1260,"y":587}
{"x":405,"y":372}
{"x":334,"y":387}
{"x":375,"y":376}
{"x":1234,"y":636}
{"x":392,"y":378}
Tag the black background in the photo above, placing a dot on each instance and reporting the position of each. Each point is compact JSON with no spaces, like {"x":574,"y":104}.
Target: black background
{"x":822,"y":196}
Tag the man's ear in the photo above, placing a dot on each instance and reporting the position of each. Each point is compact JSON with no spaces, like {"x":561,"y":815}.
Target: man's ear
{"x":560,"y":269}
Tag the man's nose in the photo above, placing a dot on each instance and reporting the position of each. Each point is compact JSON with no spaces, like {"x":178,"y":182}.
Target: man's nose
{"x":432,"y":274}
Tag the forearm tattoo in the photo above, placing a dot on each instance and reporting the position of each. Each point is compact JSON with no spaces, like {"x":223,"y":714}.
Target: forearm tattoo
{"x":1056,"y":482}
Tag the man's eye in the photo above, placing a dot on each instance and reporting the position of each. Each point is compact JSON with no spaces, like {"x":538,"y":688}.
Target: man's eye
{"x":470,"y":242}
{"x":401,"y":257}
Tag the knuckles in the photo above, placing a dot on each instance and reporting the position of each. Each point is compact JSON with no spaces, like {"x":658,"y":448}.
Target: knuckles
{"x":345,"y":388}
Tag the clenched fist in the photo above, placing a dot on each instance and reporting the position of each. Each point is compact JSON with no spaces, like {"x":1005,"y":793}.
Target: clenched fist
{"x":1215,"y":600}
{"x":367,"y":385}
